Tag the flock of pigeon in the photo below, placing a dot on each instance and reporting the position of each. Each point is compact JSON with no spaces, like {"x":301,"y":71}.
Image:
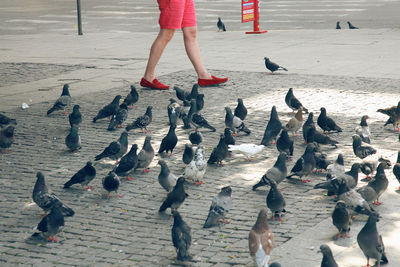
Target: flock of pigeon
{"x":187,"y":108}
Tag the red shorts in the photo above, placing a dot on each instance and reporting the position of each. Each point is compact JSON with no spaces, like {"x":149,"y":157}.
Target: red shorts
{"x":176,"y":14}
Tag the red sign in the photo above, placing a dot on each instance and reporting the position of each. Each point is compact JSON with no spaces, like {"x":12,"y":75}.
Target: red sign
{"x":248,"y":7}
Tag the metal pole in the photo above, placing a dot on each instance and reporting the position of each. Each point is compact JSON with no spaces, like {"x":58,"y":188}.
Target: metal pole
{"x":78,"y":3}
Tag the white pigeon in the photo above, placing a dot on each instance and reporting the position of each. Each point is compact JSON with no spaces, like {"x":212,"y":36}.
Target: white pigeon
{"x":249,"y":150}
{"x":363,"y":130}
{"x":196,"y":169}
{"x":336,"y":169}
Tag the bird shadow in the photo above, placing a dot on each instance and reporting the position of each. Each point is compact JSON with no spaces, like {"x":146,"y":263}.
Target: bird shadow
{"x":342,"y":241}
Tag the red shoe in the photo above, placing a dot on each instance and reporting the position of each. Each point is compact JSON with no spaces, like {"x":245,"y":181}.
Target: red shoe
{"x":213,"y":81}
{"x":153,"y":85}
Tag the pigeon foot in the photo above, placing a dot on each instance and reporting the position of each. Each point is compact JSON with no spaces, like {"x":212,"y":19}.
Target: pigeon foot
{"x":224,"y":221}
{"x":377,"y":203}
{"x":198,"y":182}
{"x":88,"y":188}
{"x":147,"y":170}
{"x":129,"y":178}
{"x":305,"y":180}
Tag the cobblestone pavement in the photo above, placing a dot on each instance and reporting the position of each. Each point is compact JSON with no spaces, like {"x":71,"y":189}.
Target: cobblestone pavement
{"x":129,"y":231}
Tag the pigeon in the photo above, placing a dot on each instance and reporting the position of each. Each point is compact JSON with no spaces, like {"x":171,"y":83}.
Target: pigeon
{"x":84,"y":176}
{"x":321,"y":161}
{"x":127,"y":163}
{"x":188,"y":154}
{"x":307,"y":126}
{"x":240,"y":110}
{"x":337,"y":168}
{"x":4,"y":120}
{"x":194,"y":92}
{"x":195,"y":137}
{"x":200,"y":122}
{"x":326,"y":123}
{"x":220,"y":206}
{"x":176,"y":197}
{"x":193,"y":108}
{"x":277,"y":173}
{"x":380,"y":182}
{"x":261,"y":240}
{"x":73,"y":140}
{"x":304,"y":165}
{"x":142,"y":122}
{"x":275,"y":201}
{"x":132,"y":97}
{"x":196,"y":169}
{"x":271,"y":66}
{"x":108,"y":110}
{"x":249,"y":150}
{"x":369,"y":164}
{"x":327,"y":257}
{"x":275,"y":264}
{"x":315,"y":136}
{"x":50,"y":224}
{"x":219,"y":153}
{"x":394,"y":116}
{"x":221,"y":25}
{"x":75,"y":118}
{"x":360,"y":150}
{"x":351,"y":27}
{"x":174,"y":111}
{"x":295,"y":123}
{"x":235,"y":123}
{"x":199,"y":102}
{"x":363,"y":130}
{"x":229,"y":139}
{"x":145,"y":155}
{"x":185,"y":95}
{"x":274,"y":127}
{"x":331,"y":184}
{"x":6,"y":138}
{"x":371,"y":243}
{"x":293,"y":102}
{"x":351,"y":177}
{"x":47,"y":200}
{"x":166,"y":179}
{"x":285,"y":143}
{"x":341,"y":218}
{"x":396,"y":168}
{"x":118,"y":118}
{"x":111,"y":183}
{"x":181,"y":237}
{"x":62,"y":102}
{"x":338,"y":25}
{"x":169,"y":142}
{"x":115,"y":149}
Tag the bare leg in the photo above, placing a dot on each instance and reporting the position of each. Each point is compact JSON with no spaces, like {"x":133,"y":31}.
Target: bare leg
{"x":163,"y":37}
{"x":193,"y":51}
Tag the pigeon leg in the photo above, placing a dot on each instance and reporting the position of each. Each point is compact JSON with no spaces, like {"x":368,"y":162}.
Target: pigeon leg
{"x":377,"y":203}
{"x":147,"y":170}
{"x":198,"y":182}
{"x":88,"y":188}
{"x":119,"y":195}
{"x":129,"y":178}
{"x":131,"y":106}
{"x":224,"y":221}
{"x":43,"y":215}
{"x":339,"y":235}
{"x":234,"y":134}
{"x":120,"y":126}
{"x":305,"y":180}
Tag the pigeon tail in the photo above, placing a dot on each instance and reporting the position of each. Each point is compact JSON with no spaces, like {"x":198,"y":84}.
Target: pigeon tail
{"x":68,"y":184}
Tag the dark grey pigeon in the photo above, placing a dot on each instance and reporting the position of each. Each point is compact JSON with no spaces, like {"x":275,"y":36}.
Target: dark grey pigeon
{"x":321,"y":161}
{"x":176,"y":197}
{"x":327,"y":258}
{"x":166,"y":179}
{"x":240,"y":110}
{"x":108,"y":110}
{"x":50,"y":224}
{"x":271,"y":66}
{"x":143,"y":121}
{"x":84,"y":176}
{"x":181,"y":94}
{"x":200,"y":102}
{"x":396,"y":168}
{"x":315,"y":136}
{"x":169,"y":142}
{"x":118,"y":118}
{"x":394,"y":116}
{"x":368,"y":193}
{"x":186,"y":121}
{"x":293,"y":102}
{"x":195,"y":137}
{"x":351,"y":177}
{"x":274,"y":127}
{"x":47,"y":200}
{"x":145,"y":155}
{"x":229,"y":139}
{"x":111,"y":183}
{"x":234,"y":123}
{"x":371,"y":243}
{"x":188,"y":154}
{"x":277,"y":173}
{"x":285,"y":143}
{"x":368,"y":166}
{"x":338,"y":25}
{"x":326,"y":123}
{"x":221,"y":25}
{"x":275,"y":264}
{"x":220,"y":206}
{"x":363,"y":130}
{"x":115,"y":149}
{"x":341,"y":218}
{"x":62,"y":102}
{"x":132,"y":97}
{"x":351,"y":26}
{"x":193,"y":108}
{"x":127,"y":163}
{"x":73,"y":140}
{"x":307,"y":125}
{"x":380,"y":182}
{"x":75,"y":118}
{"x":200,"y":122}
{"x":219,"y":152}
{"x":6,"y":138}
{"x":181,"y":237}
{"x":4,"y":120}
{"x":362,"y":150}
{"x":304,"y":165}
{"x":275,"y":200}
{"x":194,"y":92}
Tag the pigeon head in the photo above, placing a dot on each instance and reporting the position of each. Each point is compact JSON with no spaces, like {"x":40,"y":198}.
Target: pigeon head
{"x":171,"y":100}
{"x":373,"y":217}
{"x":290,"y":91}
{"x":148,"y":110}
{"x":356,"y":141}
{"x":133,"y":88}
{"x":227,"y":190}
{"x":180,"y":181}
{"x":227,"y":131}
{"x":266,"y":59}
{"x":364,"y":120}
{"x":40,"y":184}
{"x":65,"y":90}
{"x":228,"y":110}
{"x":123,"y":106}
{"x":310,"y":117}
{"x":340,"y":159}
{"x":261,"y":224}
{"x":340,"y":204}
{"x":282,"y":157}
{"x":355,"y":167}
{"x":9,"y":131}
{"x":134,"y":148}
{"x":309,"y":148}
{"x":323,"y":111}
{"x":89,"y":163}
{"x":161,"y":162}
{"x":76,"y":108}
{"x":124,"y":135}
{"x":177,"y":217}
{"x":240,"y":101}
{"x":117,"y":99}
{"x":325,"y":250}
{"x":386,"y":161}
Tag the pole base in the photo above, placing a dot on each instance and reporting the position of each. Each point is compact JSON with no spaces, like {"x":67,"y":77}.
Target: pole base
{"x":256,"y":32}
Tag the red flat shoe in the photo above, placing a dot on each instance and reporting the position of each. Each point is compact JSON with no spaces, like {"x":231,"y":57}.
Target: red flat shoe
{"x":210,"y":82}
{"x":153,"y":85}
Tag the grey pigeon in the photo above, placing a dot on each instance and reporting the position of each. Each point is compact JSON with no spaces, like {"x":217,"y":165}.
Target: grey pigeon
{"x":315,"y":136}
{"x":108,"y":110}
{"x":143,"y":121}
{"x":219,"y":152}
{"x":169,"y":142}
{"x":337,"y":167}
{"x":220,"y":206}
{"x":75,"y":118}
{"x":326,"y":123}
{"x":195,"y":137}
{"x":127,"y":163}
{"x":292,"y":101}
{"x":6,"y":138}
{"x":132,"y":97}
{"x":181,"y":94}
{"x":176,"y":197}
{"x":351,"y":26}
{"x":84,"y":176}
{"x":380,"y":182}
{"x":145,"y":155}
{"x":4,"y":120}
{"x":363,"y":130}
{"x":181,"y":237}
{"x":307,"y":126}
{"x":396,"y":168}
{"x":188,"y":154}
{"x":200,"y":122}
{"x":240,"y":110}
{"x":45,"y":199}
{"x":174,"y":111}
{"x":194,"y":92}
{"x":272,"y":66}
{"x":275,"y":200}
{"x":327,"y":257}
{"x":62,"y":102}
{"x":234,"y":123}
{"x":50,"y":224}
{"x":304,"y":165}
{"x":111,"y":183}
{"x":362,"y":150}
{"x":221,"y":25}
{"x":338,"y":25}
{"x":331,"y":184}
{"x":229,"y":139}
{"x":166,"y":179}
{"x":371,"y":243}
{"x":115,"y":149}
{"x":277,"y":173}
{"x":274,"y":127}
{"x":341,"y":218}
{"x":285,"y":143}
{"x":369,"y":164}
{"x":394,"y":116}
{"x":321,"y":161}
{"x":196,"y":169}
{"x":118,"y":118}
{"x":368,"y":193}
{"x":73,"y":139}
{"x":199,"y":102}
{"x":351,"y":177}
